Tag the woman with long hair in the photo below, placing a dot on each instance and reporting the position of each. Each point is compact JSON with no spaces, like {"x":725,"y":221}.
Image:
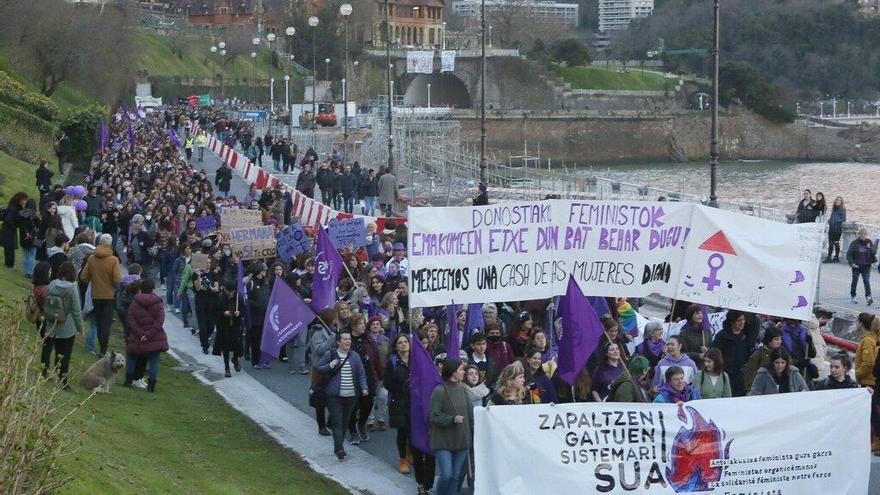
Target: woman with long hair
{"x":610,"y":366}
{"x":835,"y":230}
{"x":779,"y":376}
{"x":696,"y":335}
{"x":511,"y":386}
{"x":63,"y":314}
{"x":27,"y":234}
{"x":541,"y":390}
{"x":712,"y":381}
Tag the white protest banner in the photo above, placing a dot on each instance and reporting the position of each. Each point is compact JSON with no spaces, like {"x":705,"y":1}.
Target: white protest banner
{"x":253,"y":242}
{"x":419,"y":62}
{"x":447,"y":61}
{"x":792,"y":443}
{"x":527,"y":250}
{"x":239,"y":218}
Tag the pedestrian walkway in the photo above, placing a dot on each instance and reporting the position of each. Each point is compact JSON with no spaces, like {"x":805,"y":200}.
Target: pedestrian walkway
{"x":278,"y":402}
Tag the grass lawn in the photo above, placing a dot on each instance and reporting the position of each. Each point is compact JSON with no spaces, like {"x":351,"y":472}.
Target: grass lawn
{"x":582,"y":77}
{"x":16,"y":175}
{"x":159,"y":59}
{"x":183,"y":439}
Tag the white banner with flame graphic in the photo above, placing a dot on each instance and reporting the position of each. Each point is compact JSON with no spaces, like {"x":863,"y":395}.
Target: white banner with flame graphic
{"x":778,"y":444}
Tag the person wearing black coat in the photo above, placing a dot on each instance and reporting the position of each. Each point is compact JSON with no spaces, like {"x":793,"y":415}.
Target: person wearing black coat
{"x":397,"y":383}
{"x":223,"y":179}
{"x":324,"y":177}
{"x":347,"y":188}
{"x":44,"y":177}
{"x":27,"y":235}
{"x":736,"y":341}
{"x":9,"y":231}
{"x":258,"y":291}
{"x":228,"y":313}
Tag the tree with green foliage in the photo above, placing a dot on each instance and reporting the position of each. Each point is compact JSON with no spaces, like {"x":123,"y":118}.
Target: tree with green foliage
{"x":81,"y":126}
{"x":741,"y":83}
{"x":572,"y":52}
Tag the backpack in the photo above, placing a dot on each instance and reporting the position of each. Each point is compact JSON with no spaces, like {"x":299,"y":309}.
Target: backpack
{"x":32,"y":311}
{"x":53,"y":309}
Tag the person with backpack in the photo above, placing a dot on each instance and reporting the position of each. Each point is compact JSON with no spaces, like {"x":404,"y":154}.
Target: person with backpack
{"x":37,"y":299}
{"x":57,"y":254}
{"x":103,"y":272}
{"x":345,"y":380}
{"x":63,"y":319}
{"x":146,"y":339}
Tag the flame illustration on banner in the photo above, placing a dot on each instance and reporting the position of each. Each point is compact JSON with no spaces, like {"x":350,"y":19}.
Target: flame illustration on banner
{"x":693,"y":451}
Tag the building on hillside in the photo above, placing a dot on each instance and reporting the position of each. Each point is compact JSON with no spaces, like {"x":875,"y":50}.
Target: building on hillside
{"x":416,"y":23}
{"x":868,"y":7}
{"x":246,"y":14}
{"x":615,"y":15}
{"x":562,"y":13}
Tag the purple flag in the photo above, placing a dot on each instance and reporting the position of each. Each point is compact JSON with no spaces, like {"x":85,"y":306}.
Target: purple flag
{"x":453,"y":340}
{"x":423,"y":379}
{"x":103,"y":137}
{"x":600,"y":305}
{"x":328,"y":266}
{"x":286,"y":316}
{"x":707,"y":327}
{"x":473,"y":320}
{"x":172,"y":136}
{"x":242,"y":290}
{"x":132,"y":140}
{"x":581,"y":330}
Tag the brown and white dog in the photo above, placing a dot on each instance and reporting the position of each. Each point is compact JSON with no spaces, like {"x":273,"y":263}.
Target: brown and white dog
{"x":100,"y":375}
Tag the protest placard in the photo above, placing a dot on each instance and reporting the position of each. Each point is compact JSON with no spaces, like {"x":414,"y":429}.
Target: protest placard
{"x":238,"y":218}
{"x":347,"y":232}
{"x":292,"y":240}
{"x":253,"y":242}
{"x":719,"y":446}
{"x":199,"y":261}
{"x":527,"y":250}
{"x":206,"y":224}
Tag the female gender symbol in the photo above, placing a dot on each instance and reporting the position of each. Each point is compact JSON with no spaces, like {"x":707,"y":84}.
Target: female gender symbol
{"x":715,"y":262}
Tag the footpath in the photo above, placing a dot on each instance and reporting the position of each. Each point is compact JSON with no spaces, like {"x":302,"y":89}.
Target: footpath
{"x":278,"y":402}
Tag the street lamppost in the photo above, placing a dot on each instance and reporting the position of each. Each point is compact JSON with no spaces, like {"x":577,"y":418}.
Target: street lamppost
{"x":213,"y":65}
{"x":287,"y":101}
{"x":429,"y":95}
{"x":290,"y":31}
{"x":313,"y":23}
{"x":222,"y":71}
{"x":256,"y":43}
{"x":271,"y":99}
{"x":254,"y":60}
{"x":443,"y":44}
{"x":713,"y":138}
{"x":345,"y":9}
{"x":483,"y":184}
{"x":388,"y":82}
{"x":327,"y":67}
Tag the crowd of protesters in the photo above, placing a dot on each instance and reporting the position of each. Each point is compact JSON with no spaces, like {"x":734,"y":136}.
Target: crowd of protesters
{"x":139,"y":208}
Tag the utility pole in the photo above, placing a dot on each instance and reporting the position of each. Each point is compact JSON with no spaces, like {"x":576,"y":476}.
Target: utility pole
{"x":483,"y":182}
{"x":345,"y":9}
{"x":713,"y":142}
{"x":313,"y":22}
{"x":388,"y":82}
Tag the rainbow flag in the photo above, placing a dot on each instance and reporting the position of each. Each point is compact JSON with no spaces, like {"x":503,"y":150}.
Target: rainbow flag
{"x":628,"y":321}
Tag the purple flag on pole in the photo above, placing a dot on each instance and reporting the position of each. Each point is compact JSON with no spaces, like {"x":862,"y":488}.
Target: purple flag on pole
{"x":581,"y":330}
{"x":423,"y":379}
{"x":286,"y":316}
{"x":172,"y":136}
{"x":132,"y":140}
{"x":707,"y":327}
{"x":600,"y":305}
{"x":473,"y":320}
{"x":328,"y":266}
{"x":453,"y":340}
{"x":240,"y":287}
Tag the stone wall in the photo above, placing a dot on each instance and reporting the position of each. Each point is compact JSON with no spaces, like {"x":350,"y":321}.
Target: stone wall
{"x":582,"y":138}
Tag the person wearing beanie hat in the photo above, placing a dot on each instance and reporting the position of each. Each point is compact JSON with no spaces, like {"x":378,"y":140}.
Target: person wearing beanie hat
{"x":399,"y":255}
{"x":631,"y":386}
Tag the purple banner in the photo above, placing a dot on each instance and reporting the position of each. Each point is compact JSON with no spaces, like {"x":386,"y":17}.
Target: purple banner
{"x":423,"y":379}
{"x":286,"y":316}
{"x":328,"y":266}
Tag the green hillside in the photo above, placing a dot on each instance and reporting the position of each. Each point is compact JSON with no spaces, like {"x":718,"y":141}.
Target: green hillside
{"x":159,"y":59}
{"x":582,"y":77}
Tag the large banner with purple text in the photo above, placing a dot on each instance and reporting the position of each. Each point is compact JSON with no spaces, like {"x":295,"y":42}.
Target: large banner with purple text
{"x":527,"y":250}
{"x":769,"y":445}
